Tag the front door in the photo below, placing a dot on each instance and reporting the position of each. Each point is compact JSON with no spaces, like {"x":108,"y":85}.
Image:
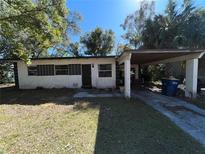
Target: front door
{"x":16,"y":79}
{"x":86,"y":76}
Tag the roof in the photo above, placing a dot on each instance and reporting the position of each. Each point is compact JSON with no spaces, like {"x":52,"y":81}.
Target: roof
{"x":166,"y":51}
{"x":153,"y":55}
{"x":61,"y":58}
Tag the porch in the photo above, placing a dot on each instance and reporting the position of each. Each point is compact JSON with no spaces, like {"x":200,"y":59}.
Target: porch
{"x":134,"y":58}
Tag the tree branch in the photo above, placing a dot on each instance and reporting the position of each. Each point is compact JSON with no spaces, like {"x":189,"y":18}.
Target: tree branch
{"x":28,"y":12}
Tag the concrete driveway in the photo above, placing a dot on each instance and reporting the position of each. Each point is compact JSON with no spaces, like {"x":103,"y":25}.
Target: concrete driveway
{"x":188,"y":117}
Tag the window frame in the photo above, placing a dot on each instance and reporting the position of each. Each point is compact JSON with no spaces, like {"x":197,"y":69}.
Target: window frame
{"x":50,"y":69}
{"x":74,"y":69}
{"x":46,"y":70}
{"x":104,"y":70}
{"x":61,"y":69}
{"x":36,"y":70}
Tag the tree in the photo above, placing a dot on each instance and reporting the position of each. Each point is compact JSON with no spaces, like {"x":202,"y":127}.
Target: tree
{"x":98,"y":42}
{"x":134,"y":23}
{"x":177,"y":28}
{"x":121,"y":48}
{"x":6,"y":73}
{"x":194,"y":30}
{"x":74,"y":49}
{"x":29,"y":28}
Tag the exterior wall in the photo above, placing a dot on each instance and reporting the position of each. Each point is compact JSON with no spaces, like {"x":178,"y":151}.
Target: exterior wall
{"x":66,"y":81}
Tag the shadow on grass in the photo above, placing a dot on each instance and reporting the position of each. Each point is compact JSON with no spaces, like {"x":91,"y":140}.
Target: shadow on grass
{"x":120,"y":128}
{"x":132,"y":127}
{"x":11,"y":95}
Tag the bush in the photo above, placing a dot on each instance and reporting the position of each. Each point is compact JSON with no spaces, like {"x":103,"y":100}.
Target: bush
{"x":153,"y":72}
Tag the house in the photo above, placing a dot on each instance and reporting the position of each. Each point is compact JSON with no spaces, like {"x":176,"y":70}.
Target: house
{"x":102,"y":71}
{"x":67,"y":72}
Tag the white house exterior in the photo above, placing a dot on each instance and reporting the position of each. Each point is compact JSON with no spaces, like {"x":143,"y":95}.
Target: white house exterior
{"x":101,"y":72}
{"x":64,"y":80}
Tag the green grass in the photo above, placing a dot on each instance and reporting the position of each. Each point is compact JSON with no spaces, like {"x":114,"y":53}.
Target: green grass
{"x":60,"y":124}
{"x":200,"y":102}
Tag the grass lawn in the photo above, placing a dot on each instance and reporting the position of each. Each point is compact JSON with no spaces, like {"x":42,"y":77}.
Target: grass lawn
{"x":200,"y":102}
{"x":50,"y":121}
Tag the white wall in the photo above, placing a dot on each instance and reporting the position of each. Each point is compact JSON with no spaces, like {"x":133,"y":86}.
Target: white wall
{"x":66,"y":81}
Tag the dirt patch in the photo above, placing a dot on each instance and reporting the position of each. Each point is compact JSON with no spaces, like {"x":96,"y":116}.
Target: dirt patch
{"x":7,"y":85}
{"x":35,"y":97}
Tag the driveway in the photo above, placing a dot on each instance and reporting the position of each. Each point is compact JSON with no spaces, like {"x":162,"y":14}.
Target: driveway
{"x":188,"y":117}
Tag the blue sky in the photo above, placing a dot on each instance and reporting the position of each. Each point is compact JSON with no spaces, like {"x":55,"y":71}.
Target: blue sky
{"x":109,"y":14}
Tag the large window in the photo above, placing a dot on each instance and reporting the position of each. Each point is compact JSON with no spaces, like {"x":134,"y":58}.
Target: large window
{"x":32,"y":70}
{"x":48,"y":70}
{"x":45,"y":70}
{"x":105,"y":70}
{"x":61,"y":69}
{"x":74,"y":69}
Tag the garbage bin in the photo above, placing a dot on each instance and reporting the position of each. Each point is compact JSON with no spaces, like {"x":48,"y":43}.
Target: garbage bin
{"x":169,"y":87}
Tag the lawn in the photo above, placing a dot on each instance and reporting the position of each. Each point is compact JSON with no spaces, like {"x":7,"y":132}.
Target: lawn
{"x":200,"y":102}
{"x":50,"y":121}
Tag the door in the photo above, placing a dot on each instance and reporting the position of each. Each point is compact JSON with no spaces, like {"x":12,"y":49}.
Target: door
{"x":16,"y":75}
{"x":86,"y":76}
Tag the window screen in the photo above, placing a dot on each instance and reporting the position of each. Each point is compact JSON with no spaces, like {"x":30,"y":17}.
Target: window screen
{"x":61,"y":69}
{"x":105,"y":70}
{"x":74,"y":69}
{"x":45,"y":70}
{"x":32,"y":71}
{"x":48,"y":70}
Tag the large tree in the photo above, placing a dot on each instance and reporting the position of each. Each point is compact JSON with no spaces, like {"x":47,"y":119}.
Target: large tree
{"x":98,"y":42}
{"x":177,"y":28}
{"x":29,"y":28}
{"x":134,"y":23}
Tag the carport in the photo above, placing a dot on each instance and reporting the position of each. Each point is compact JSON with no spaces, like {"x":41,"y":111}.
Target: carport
{"x":135,"y":58}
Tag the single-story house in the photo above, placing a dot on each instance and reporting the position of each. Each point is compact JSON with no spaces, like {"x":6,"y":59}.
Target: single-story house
{"x":68,"y":72}
{"x":102,"y":71}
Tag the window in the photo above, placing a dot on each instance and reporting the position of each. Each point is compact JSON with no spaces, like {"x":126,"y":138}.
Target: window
{"x":74,"y":69}
{"x":105,"y":70}
{"x":48,"y":70}
{"x":45,"y":70}
{"x":61,"y":69}
{"x":32,"y":71}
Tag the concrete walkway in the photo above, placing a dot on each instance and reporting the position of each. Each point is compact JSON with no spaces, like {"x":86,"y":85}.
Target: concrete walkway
{"x":188,"y":117}
{"x":89,"y":93}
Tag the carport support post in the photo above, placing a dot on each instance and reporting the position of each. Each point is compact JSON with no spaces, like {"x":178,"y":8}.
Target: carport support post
{"x":191,"y":78}
{"x":127,"y":78}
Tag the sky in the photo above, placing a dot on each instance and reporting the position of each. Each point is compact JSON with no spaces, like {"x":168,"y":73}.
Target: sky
{"x":110,"y":14}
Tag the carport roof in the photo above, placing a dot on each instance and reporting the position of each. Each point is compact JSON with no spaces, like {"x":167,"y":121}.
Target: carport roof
{"x":150,"y":56}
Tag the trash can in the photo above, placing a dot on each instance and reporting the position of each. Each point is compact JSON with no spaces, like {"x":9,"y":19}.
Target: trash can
{"x":169,"y":87}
